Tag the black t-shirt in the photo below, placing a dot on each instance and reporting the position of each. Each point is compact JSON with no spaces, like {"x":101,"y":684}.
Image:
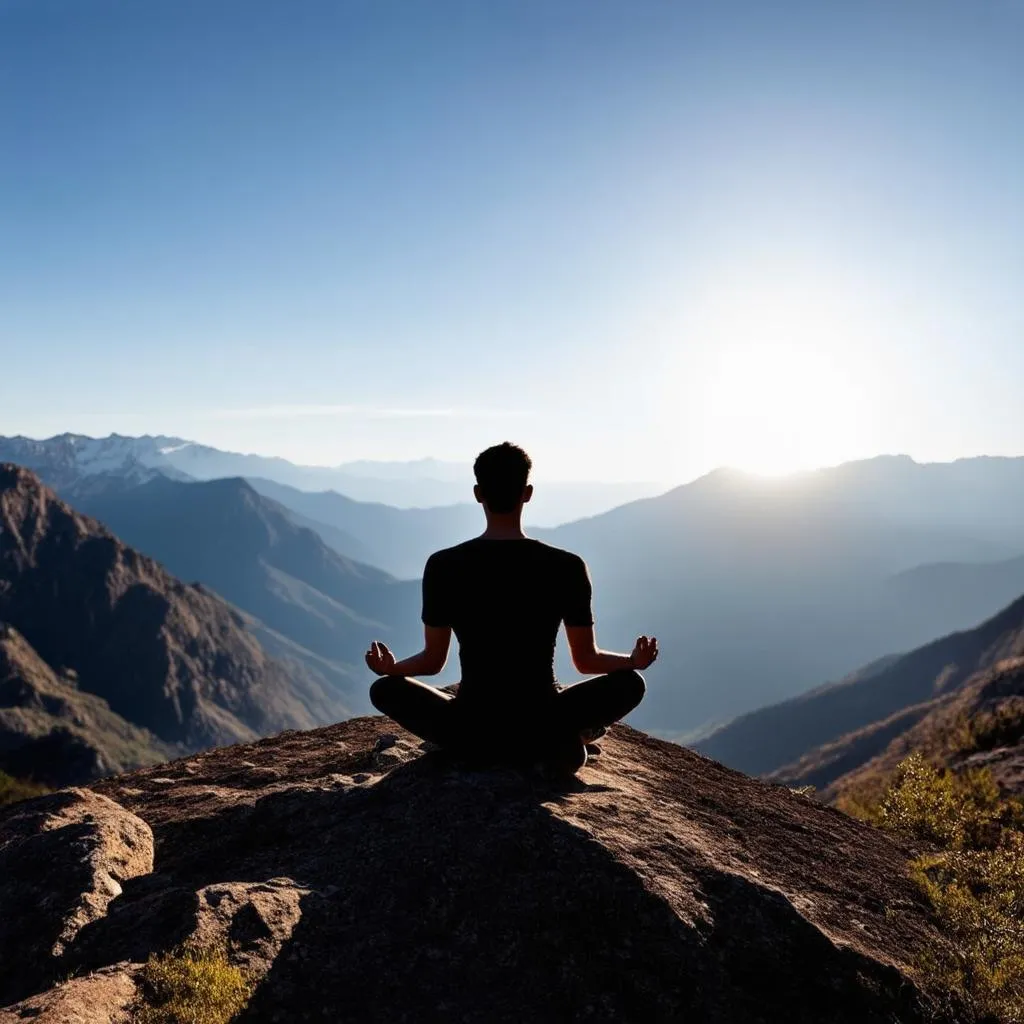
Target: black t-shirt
{"x":505,"y":600}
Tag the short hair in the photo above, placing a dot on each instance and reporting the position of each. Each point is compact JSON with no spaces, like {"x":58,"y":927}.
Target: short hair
{"x":502,"y":473}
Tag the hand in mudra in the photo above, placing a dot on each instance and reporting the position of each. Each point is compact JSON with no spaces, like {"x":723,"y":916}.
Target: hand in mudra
{"x":379,"y":659}
{"x":645,"y":652}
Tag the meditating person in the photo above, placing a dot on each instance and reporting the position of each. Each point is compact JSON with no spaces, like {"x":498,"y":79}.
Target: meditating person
{"x":505,"y":596}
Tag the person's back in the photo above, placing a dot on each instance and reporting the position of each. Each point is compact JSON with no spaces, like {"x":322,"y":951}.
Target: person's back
{"x":505,"y":597}
{"x":505,"y":601}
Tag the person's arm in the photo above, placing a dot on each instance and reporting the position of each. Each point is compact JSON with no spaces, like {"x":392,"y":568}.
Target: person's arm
{"x":589,"y":659}
{"x":578,"y":616}
{"x":437,"y":631}
{"x":428,"y":662}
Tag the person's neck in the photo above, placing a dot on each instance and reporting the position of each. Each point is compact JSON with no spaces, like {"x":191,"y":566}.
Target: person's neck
{"x":504,"y":526}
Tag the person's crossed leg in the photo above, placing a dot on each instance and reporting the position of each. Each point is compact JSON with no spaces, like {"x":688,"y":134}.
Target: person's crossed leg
{"x":554,"y":733}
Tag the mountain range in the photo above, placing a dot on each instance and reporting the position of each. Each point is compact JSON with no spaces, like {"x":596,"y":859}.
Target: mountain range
{"x":759,"y":589}
{"x":68,"y":458}
{"x":111,"y":661}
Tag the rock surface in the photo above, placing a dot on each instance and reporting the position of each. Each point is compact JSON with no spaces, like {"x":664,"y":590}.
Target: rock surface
{"x":358,"y":878}
{"x":63,"y":859}
{"x":105,"y":997}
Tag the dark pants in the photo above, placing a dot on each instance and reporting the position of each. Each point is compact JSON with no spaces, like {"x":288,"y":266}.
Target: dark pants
{"x":557,"y":724}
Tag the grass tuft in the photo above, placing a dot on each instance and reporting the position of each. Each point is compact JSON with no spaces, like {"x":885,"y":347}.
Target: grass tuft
{"x":191,"y":986}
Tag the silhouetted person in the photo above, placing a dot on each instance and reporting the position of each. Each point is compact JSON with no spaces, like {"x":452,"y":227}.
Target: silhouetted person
{"x":505,"y":595}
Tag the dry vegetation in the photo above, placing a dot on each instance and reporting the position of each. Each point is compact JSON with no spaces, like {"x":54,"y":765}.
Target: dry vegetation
{"x":974,"y":879}
{"x":191,"y":986}
{"x":13,"y":790}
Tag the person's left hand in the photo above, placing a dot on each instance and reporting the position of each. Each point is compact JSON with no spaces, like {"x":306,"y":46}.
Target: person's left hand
{"x":645,"y":652}
{"x":379,"y":658}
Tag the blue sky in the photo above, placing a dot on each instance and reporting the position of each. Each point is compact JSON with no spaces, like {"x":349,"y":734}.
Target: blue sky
{"x":643,"y":238}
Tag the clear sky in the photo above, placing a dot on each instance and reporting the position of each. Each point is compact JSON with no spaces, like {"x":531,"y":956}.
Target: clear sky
{"x":642,"y":237}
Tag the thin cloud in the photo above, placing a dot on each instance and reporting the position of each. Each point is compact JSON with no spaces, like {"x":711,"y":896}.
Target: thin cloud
{"x":284,"y":412}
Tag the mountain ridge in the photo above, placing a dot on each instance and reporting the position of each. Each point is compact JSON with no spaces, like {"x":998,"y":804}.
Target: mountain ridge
{"x":829,"y":731}
{"x":247,"y":548}
{"x":65,"y":458}
{"x":54,"y":733}
{"x":170,"y":658}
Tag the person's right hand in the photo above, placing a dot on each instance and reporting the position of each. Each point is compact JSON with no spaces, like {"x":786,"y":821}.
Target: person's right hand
{"x":379,"y":659}
{"x":645,"y":651}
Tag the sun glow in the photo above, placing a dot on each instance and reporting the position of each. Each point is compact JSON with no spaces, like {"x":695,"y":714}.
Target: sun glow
{"x":778,"y":408}
{"x":783,"y":380}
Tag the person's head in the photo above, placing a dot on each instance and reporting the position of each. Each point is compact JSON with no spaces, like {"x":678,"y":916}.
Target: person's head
{"x":502,"y":478}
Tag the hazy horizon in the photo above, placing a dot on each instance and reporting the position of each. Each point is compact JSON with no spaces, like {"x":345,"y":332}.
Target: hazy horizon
{"x":540,"y":473}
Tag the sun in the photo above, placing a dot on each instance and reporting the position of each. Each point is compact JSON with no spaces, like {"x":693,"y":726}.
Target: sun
{"x":778,"y":408}
{"x":782,"y":383}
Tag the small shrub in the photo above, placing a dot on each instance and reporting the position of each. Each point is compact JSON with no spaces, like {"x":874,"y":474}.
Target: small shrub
{"x":954,"y":809}
{"x":978,"y":896}
{"x":975,"y":882}
{"x":191,"y":986}
{"x":14,"y":790}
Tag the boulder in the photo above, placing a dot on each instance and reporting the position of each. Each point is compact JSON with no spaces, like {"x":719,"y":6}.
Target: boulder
{"x":656,"y":886}
{"x":63,"y":859}
{"x":105,"y":997}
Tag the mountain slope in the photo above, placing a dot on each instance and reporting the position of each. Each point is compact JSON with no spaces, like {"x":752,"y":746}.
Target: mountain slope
{"x":396,"y":539}
{"x":54,"y":733}
{"x":247,"y":549}
{"x":662,"y":887}
{"x":166,"y":657}
{"x":835,"y":728}
{"x":951,"y":595}
{"x":759,"y":589}
{"x":981,"y":724}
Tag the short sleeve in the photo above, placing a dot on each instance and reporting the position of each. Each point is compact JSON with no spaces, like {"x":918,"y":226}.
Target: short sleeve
{"x":577,"y":610}
{"x":436,"y":603}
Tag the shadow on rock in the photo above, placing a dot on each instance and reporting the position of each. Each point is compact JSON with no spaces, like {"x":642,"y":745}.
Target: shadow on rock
{"x":438,"y":893}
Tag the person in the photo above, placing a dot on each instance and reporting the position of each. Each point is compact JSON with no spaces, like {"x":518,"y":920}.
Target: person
{"x":505,"y":595}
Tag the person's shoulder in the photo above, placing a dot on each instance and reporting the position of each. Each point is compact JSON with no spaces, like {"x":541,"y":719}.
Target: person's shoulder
{"x":455,"y":552}
{"x":561,"y":555}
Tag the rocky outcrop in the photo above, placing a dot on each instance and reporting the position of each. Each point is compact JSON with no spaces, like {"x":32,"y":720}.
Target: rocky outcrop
{"x":358,"y":878}
{"x":105,"y":997}
{"x":173,"y":659}
{"x":63,"y":859}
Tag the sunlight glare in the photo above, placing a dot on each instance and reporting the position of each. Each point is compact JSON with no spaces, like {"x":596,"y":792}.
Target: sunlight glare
{"x":783,"y":392}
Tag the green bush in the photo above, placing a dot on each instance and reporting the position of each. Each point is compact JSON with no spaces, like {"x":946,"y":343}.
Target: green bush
{"x":191,"y":986}
{"x":954,"y":809}
{"x":13,"y":790}
{"x":975,"y":881}
{"x":979,"y":898}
